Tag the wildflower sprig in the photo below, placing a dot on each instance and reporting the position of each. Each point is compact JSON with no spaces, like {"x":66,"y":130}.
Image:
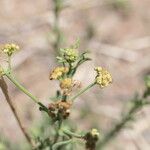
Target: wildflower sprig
{"x":59,"y":110}
{"x":9,"y":50}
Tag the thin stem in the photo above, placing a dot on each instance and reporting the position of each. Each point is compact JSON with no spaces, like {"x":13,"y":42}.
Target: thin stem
{"x":9,"y":63}
{"x":57,"y":134}
{"x":119,"y":126}
{"x":20,"y":87}
{"x":4,"y":88}
{"x":82,"y":91}
{"x":72,"y":134}
{"x":57,"y":145}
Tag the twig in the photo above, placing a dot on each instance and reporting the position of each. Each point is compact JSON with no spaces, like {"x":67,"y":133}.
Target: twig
{"x":19,"y":86}
{"x":4,"y":88}
{"x":72,"y":134}
{"x":137,"y":105}
{"x":57,"y":145}
{"x":57,"y":134}
{"x":82,"y":91}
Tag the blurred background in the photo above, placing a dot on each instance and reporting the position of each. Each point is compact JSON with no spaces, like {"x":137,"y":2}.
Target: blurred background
{"x":116,"y":32}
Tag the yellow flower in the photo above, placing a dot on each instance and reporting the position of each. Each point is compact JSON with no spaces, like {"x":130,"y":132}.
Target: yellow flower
{"x":66,"y":83}
{"x":58,"y":72}
{"x":94,"y":133}
{"x":9,"y":49}
{"x":70,"y":55}
{"x":103,"y":77}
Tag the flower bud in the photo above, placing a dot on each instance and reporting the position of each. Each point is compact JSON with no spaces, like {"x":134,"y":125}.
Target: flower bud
{"x":66,"y":83}
{"x":91,"y":139}
{"x":70,"y":55}
{"x":58,"y":72}
{"x":10,"y":49}
{"x":95,"y":133}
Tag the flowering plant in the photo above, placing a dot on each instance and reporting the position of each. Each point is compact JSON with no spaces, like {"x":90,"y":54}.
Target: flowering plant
{"x":60,"y":107}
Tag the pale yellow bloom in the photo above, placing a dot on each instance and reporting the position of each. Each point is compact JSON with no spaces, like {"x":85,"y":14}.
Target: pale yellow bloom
{"x":94,"y":133}
{"x":103,"y":77}
{"x":66,"y":83}
{"x":9,"y":49}
{"x":58,"y":72}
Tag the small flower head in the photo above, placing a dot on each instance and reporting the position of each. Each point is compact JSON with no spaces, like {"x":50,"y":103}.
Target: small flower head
{"x":103,"y":77}
{"x":59,"y":110}
{"x":58,"y":72}
{"x":91,"y":138}
{"x":66,"y":83}
{"x":10,"y":49}
{"x":70,"y":55}
{"x":95,"y":133}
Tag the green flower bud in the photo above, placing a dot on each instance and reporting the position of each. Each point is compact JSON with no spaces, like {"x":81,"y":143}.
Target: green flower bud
{"x":70,"y":55}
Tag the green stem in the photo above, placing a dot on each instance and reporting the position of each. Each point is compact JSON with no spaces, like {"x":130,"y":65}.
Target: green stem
{"x":57,"y":134}
{"x":57,"y":145}
{"x":82,"y":91}
{"x":4,"y":88}
{"x":9,"y":63}
{"x":72,"y":134}
{"x":20,"y":87}
{"x":119,"y":126}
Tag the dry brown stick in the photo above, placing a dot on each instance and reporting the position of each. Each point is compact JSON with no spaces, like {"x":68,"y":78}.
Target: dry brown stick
{"x":4,"y":88}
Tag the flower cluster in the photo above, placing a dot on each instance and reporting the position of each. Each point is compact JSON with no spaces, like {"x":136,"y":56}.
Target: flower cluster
{"x":103,"y":77}
{"x":9,"y":49}
{"x":66,"y":83}
{"x":59,"y":110}
{"x":58,"y":72}
{"x":91,"y":138}
{"x":70,"y":55}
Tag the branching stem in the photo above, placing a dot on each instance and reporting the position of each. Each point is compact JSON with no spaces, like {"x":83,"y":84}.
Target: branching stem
{"x":4,"y":88}
{"x":57,"y":134}
{"x":82,"y":91}
{"x":57,"y":145}
{"x":72,"y":134}
{"x":20,"y":87}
